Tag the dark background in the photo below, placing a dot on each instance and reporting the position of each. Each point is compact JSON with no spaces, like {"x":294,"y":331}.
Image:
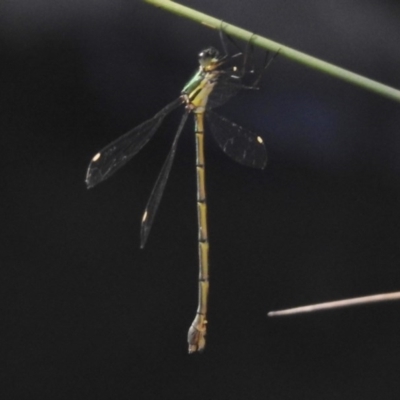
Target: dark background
{"x":87,"y":315}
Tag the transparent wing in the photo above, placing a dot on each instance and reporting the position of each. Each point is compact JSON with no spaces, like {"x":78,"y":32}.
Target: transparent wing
{"x":227,"y":86}
{"x":224,"y":89}
{"x":159,"y":186}
{"x":120,"y":151}
{"x":242,"y":145}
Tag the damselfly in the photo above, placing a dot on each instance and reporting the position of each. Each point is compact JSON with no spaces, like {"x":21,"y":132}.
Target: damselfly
{"x":211,"y":86}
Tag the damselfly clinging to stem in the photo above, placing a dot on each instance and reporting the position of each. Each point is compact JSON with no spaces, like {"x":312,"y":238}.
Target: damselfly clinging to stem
{"x":212,"y":85}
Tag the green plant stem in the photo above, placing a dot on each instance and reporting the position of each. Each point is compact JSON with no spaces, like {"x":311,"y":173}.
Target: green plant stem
{"x":284,"y":51}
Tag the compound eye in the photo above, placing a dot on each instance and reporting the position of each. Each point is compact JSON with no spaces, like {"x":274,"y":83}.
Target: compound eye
{"x":213,"y":52}
{"x":207,"y":56}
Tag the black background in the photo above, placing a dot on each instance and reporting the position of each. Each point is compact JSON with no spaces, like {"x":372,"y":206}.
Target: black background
{"x":86,"y":314}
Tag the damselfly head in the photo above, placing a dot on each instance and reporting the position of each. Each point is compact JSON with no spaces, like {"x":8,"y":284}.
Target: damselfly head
{"x":208,"y":58}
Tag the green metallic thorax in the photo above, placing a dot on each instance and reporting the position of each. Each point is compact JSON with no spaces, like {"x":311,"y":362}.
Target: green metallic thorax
{"x":197,"y":90}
